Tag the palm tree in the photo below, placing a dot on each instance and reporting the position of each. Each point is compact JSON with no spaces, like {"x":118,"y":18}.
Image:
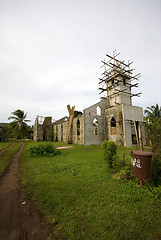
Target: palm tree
{"x":19,"y":125}
{"x":153,"y":113}
{"x":153,"y":126}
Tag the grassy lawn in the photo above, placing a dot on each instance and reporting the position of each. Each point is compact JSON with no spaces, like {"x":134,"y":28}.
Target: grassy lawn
{"x":6,"y":157}
{"x":78,"y":193}
{"x":4,"y":145}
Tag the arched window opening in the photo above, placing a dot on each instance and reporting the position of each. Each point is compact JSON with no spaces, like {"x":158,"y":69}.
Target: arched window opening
{"x":56,"y":139}
{"x":98,"y":110}
{"x":61,"y":132}
{"x":78,"y":127}
{"x":113,"y":125}
{"x":95,"y":126}
{"x":124,"y":81}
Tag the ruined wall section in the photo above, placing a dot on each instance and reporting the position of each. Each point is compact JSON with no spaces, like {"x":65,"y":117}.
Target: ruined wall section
{"x":114,"y":120}
{"x":38,"y":131}
{"x":94,"y":123}
{"x":60,"y":129}
{"x":131,"y":114}
{"x":78,"y":130}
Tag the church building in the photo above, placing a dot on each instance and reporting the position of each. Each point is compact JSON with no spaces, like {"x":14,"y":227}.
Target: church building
{"x":112,"y":118}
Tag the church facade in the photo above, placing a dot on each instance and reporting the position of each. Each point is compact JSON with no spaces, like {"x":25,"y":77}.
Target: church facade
{"x":112,"y":118}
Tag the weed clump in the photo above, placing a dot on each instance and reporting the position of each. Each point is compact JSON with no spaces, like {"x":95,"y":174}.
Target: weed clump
{"x":43,"y":150}
{"x":156,"y":170}
{"x":110,"y":149}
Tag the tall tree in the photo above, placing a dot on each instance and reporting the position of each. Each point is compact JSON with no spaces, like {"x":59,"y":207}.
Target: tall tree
{"x":153,"y":126}
{"x":19,"y":125}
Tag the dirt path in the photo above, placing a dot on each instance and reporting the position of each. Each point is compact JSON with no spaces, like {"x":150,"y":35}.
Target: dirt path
{"x":19,"y":218}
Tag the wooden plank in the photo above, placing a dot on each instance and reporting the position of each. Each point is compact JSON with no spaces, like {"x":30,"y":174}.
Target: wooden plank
{"x":135,"y":128}
{"x":71,"y":115}
{"x":121,"y":62}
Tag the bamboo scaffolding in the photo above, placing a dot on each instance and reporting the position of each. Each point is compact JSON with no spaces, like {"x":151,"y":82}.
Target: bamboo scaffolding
{"x":115,"y":69}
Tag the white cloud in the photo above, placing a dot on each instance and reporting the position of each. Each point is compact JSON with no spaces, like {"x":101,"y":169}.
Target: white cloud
{"x":51,"y":52}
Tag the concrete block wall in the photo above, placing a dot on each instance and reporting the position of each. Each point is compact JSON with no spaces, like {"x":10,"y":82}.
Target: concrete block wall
{"x":78,"y":139}
{"x":90,"y":114}
{"x":60,"y":131}
{"x":115,"y":112}
{"x":38,"y":131}
{"x":131,"y":113}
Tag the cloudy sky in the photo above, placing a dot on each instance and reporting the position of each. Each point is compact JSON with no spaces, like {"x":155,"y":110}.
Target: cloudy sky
{"x":51,"y":52}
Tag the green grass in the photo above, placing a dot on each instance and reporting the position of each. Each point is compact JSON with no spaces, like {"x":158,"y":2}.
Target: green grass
{"x":6,"y":157}
{"x":77,"y":192}
{"x":4,"y":145}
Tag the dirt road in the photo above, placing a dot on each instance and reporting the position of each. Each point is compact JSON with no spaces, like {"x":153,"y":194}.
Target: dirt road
{"x":19,"y":218}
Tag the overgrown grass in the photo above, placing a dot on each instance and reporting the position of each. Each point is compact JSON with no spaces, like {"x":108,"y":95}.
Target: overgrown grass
{"x":4,"y":145}
{"x":77,"y":192}
{"x":6,"y":157}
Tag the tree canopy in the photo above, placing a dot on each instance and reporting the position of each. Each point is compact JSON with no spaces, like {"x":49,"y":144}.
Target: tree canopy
{"x":19,"y":124}
{"x":153,"y":126}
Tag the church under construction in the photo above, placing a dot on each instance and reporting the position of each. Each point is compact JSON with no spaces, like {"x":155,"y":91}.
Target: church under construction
{"x":113,"y":118}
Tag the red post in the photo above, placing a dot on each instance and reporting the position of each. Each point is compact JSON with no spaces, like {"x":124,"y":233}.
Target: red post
{"x":141,"y":182}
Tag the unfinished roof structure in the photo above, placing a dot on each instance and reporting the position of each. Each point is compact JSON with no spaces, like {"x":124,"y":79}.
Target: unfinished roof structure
{"x":113,"y":118}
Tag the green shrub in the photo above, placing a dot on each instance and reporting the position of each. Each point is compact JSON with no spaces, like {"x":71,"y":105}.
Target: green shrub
{"x":51,"y":135}
{"x":156,"y":170}
{"x":109,"y":152}
{"x":124,"y":173}
{"x":46,"y":150}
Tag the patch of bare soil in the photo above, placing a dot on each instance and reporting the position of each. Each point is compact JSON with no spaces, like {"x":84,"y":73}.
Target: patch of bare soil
{"x":64,"y":147}
{"x":19,"y":217}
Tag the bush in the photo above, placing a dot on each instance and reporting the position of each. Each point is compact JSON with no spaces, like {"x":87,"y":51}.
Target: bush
{"x":51,"y":135}
{"x":124,"y":173}
{"x":156,"y":170}
{"x":43,"y":150}
{"x":109,"y":152}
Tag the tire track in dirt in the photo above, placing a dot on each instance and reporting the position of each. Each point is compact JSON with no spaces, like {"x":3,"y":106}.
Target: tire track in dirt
{"x":19,"y":218}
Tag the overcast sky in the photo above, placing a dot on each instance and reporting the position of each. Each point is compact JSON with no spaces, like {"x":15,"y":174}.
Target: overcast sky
{"x":51,"y":52}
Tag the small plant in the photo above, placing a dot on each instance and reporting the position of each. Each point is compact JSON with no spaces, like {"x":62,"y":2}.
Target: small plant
{"x":109,"y":152}
{"x":51,"y":135}
{"x":124,"y":174}
{"x":47,"y":150}
{"x":121,"y":160}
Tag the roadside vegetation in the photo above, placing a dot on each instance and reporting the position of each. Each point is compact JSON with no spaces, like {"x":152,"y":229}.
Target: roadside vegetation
{"x":7,"y":156}
{"x":153,"y":127}
{"x":4,"y":145}
{"x":83,"y":196}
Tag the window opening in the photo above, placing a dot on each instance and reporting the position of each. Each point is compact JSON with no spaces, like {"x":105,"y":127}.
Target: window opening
{"x":113,"y":125}
{"x":95,"y":126}
{"x":133,"y":132}
{"x":45,"y":133}
{"x":78,"y":127}
{"x":98,"y":110}
{"x":61,"y":132}
{"x":56,"y":133}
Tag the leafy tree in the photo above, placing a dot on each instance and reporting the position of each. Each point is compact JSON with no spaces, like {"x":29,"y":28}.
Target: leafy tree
{"x":19,"y":126}
{"x":77,"y":113}
{"x":153,"y":126}
{"x":4,"y":132}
